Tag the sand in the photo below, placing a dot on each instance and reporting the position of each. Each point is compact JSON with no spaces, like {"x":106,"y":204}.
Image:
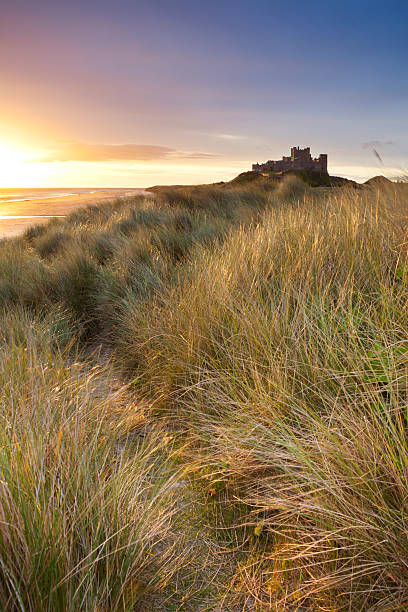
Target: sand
{"x":40,"y":211}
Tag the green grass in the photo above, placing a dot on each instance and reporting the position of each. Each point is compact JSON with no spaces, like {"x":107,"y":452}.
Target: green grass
{"x":204,"y":402}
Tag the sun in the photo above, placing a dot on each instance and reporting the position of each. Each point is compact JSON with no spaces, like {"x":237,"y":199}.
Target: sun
{"x":16,"y":168}
{"x":11,"y":165}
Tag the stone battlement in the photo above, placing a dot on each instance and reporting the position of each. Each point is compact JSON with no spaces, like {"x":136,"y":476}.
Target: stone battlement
{"x":299,"y":159}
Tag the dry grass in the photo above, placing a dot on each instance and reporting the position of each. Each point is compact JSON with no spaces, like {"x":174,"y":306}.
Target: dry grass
{"x":264,"y":332}
{"x":284,"y":357}
{"x":86,"y":520}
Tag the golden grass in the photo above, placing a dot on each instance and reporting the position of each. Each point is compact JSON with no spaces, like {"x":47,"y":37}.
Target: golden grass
{"x":85,"y":518}
{"x":283,"y":355}
{"x":262,"y":336}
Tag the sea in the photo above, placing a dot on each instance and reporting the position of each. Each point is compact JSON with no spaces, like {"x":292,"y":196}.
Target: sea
{"x":18,"y":208}
{"x":22,"y":195}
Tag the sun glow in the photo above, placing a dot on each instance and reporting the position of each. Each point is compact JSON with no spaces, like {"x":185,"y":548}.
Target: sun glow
{"x":18,"y":167}
{"x":12,"y":165}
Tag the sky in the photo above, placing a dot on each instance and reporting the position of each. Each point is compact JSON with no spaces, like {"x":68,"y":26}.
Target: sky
{"x":125,"y":93}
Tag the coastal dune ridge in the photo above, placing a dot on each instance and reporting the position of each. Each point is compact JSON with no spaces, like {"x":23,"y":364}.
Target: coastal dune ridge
{"x":212,"y":369}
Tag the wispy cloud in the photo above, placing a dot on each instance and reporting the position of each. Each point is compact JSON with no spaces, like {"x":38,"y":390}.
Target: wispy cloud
{"x":375,"y":144}
{"x":230,"y":136}
{"x":222,"y":135}
{"x":181,"y":155}
{"x":88,"y":152}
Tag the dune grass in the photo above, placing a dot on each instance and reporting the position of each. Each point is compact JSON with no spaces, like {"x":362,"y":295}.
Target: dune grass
{"x":204,"y":402}
{"x":284,"y":355}
{"x":86,"y":518}
{"x":89,"y":262}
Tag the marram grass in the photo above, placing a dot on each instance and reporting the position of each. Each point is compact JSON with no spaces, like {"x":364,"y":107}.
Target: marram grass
{"x":204,"y":403}
{"x":284,"y":354}
{"x":85,"y":520}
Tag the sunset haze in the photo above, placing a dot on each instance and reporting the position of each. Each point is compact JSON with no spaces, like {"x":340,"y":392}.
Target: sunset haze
{"x":134,"y":94}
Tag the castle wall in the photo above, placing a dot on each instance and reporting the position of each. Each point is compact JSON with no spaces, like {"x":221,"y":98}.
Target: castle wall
{"x":300,"y":159}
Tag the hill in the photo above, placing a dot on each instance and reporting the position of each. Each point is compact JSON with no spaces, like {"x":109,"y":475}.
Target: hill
{"x":378,"y":181}
{"x":311,"y":178}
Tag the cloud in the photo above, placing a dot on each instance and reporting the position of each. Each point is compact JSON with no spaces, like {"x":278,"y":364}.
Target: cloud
{"x":223,"y":136}
{"x":87,"y":152}
{"x":230,"y":136}
{"x":373,"y":144}
{"x":80,"y":151}
{"x":196,"y":155}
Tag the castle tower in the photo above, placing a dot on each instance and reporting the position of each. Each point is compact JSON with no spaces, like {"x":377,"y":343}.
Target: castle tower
{"x":300,"y":155}
{"x":323,"y":162}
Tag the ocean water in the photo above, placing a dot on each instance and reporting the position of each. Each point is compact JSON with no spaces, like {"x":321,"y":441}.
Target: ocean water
{"x":19,"y":208}
{"x":23,"y":195}
{"x":3,"y":217}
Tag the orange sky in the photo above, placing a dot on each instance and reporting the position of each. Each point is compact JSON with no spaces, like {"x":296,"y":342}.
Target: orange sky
{"x":130,"y":94}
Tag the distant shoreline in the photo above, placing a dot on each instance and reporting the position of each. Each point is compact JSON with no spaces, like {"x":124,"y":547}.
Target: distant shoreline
{"x":16,"y":215}
{"x":49,"y":197}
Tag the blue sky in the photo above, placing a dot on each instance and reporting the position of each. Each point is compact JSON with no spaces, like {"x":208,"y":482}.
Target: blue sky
{"x":210,"y":87}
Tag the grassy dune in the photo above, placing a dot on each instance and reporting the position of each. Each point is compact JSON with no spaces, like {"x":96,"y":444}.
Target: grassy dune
{"x":204,"y":403}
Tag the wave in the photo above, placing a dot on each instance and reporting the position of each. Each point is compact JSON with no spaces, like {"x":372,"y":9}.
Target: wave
{"x":19,"y":197}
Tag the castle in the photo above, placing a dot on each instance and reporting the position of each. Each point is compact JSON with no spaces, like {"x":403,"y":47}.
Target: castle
{"x":300,"y":159}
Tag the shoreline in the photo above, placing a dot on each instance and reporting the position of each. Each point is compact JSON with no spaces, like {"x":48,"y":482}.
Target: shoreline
{"x":17,"y":215}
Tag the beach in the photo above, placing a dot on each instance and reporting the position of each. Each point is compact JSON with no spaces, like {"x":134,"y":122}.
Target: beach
{"x":21,"y":208}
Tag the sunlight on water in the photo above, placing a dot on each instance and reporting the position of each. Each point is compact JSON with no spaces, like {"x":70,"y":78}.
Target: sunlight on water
{"x":3,"y":217}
